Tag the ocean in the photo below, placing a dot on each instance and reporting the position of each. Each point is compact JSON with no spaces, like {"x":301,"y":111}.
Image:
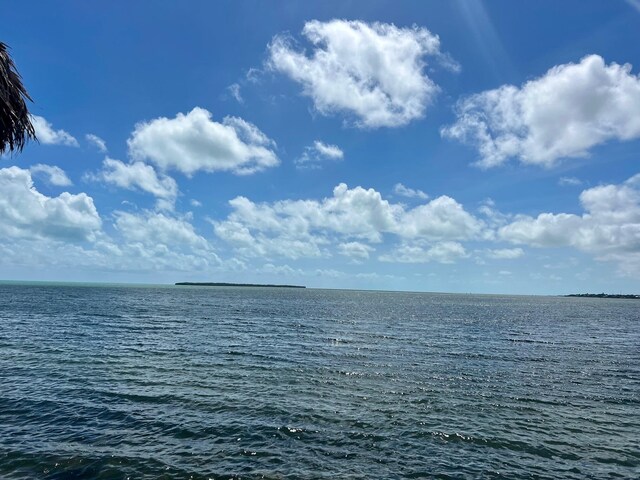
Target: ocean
{"x":116,"y":382}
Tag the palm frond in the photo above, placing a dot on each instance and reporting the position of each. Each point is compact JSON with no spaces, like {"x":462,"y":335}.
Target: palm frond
{"x":16,"y":127}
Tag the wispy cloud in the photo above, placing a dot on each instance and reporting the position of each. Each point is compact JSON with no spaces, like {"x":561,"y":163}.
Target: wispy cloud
{"x":234,"y":90}
{"x":569,"y":182}
{"x":487,"y":41}
{"x":54,"y":175}
{"x":49,"y":136}
{"x":314,"y":155}
{"x":635,"y":4}
{"x":97,"y":142}
{"x":400,"y":189}
{"x":138,"y":176}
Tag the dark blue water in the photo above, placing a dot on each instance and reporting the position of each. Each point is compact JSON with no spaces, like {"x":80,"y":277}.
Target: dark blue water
{"x":122,"y":382}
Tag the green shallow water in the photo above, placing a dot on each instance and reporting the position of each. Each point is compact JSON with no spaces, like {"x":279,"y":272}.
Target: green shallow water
{"x":115,"y":382}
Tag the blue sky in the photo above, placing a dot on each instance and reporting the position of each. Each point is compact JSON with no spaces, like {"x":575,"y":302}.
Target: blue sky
{"x":455,"y":146}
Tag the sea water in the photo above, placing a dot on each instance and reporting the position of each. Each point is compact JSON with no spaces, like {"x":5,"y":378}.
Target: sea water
{"x":114,"y":382}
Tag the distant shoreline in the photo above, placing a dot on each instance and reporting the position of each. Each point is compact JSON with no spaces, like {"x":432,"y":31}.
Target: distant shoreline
{"x":603,"y":295}
{"x":223,"y":284}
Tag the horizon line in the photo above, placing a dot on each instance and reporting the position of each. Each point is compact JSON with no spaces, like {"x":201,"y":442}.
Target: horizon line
{"x":144,"y":284}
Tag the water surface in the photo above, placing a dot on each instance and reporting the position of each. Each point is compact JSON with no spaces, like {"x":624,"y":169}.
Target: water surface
{"x":195,"y":382}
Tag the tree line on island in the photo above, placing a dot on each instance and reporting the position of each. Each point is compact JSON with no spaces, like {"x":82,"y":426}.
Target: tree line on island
{"x":225,"y":284}
{"x":604,"y":295}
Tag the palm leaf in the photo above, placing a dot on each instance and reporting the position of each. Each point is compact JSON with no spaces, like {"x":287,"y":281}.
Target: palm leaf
{"x":16,"y":127}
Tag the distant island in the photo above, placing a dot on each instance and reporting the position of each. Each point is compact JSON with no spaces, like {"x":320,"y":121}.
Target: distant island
{"x":603,"y":295}
{"x":221,"y":284}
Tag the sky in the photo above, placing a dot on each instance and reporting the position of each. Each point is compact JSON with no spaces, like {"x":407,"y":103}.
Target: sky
{"x":461,"y":146}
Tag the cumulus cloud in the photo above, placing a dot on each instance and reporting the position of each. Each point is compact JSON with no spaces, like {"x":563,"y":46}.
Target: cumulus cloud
{"x":158,"y":241}
{"x":27,"y":213}
{"x":143,"y":242}
{"x":108,"y":255}
{"x":564,"y":113}
{"x":372,"y":71}
{"x":351,"y":217}
{"x":48,"y":136}
{"x":441,"y":218}
{"x":139,"y":176}
{"x":314,"y":155}
{"x":252,"y":242}
{"x":419,"y":252}
{"x":400,"y":189}
{"x":97,"y":142}
{"x":192,"y":142}
{"x":54,"y":175}
{"x":151,"y":228}
{"x":609,"y":228}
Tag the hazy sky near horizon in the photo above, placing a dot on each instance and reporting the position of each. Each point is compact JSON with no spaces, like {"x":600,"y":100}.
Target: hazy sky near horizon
{"x":461,"y":146}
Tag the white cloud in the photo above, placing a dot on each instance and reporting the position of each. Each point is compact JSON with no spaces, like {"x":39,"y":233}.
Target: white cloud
{"x":97,"y":142}
{"x":569,"y":181}
{"x":107,"y":255}
{"x":254,"y":75}
{"x":441,"y":218}
{"x":505,"y":253}
{"x":255,"y":243}
{"x":55,"y":175}
{"x":307,"y":228}
{"x":419,"y":252}
{"x":234,"y":90}
{"x":287,"y":271}
{"x":195,"y":203}
{"x":493,"y":217}
{"x":48,"y":136}
{"x":356,"y":250}
{"x":564,"y":113}
{"x":314,"y":155}
{"x":27,"y":213}
{"x":151,"y":228}
{"x":282,"y":270}
{"x":609,"y":228}
{"x":329,"y":151}
{"x":400,"y":189}
{"x":372,"y":71}
{"x":547,"y":230}
{"x":193,"y":142}
{"x":357,"y":212}
{"x":139,"y":176}
{"x":143,"y":242}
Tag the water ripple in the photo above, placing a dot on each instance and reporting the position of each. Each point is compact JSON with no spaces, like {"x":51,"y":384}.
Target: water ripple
{"x":116,"y":382}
